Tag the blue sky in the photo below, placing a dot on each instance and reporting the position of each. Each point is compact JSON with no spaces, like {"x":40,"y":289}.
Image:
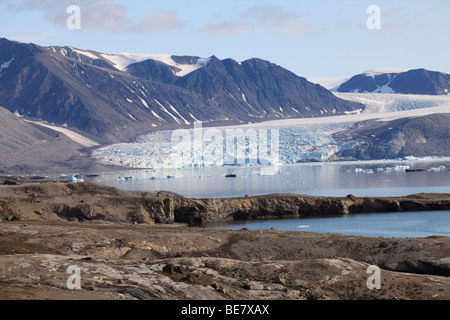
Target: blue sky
{"x":321,"y":38}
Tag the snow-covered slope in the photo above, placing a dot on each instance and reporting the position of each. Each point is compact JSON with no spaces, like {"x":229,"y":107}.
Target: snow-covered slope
{"x":122,"y":60}
{"x":376,"y":103}
{"x":75,"y":137}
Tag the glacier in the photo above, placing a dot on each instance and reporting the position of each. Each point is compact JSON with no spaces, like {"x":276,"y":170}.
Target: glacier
{"x":300,"y":140}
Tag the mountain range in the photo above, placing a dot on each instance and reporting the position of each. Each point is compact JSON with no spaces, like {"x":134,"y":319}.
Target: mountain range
{"x":400,"y":81}
{"x":116,"y":97}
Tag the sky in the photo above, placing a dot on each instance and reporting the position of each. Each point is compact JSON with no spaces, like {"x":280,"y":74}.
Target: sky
{"x":314,"y":39}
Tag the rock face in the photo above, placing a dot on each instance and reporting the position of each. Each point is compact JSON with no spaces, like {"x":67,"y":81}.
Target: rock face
{"x":374,"y":140}
{"x":84,"y":202}
{"x":93,"y":202}
{"x":293,"y":206}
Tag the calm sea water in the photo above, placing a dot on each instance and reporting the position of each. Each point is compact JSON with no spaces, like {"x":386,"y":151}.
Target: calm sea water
{"x":335,"y":179}
{"x":387,"y":225}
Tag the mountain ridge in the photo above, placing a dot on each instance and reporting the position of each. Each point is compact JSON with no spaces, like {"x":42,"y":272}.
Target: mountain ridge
{"x":89,"y":94}
{"x":398,"y":81}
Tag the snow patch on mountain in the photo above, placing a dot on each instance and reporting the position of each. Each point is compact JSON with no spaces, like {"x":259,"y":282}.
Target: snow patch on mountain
{"x":380,"y":71}
{"x":78,"y":138}
{"x":123,"y":60}
{"x":85,"y":53}
{"x":6,"y":65}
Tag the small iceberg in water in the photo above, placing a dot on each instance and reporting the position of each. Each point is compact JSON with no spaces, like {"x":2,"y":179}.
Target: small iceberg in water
{"x":74,"y":179}
{"x":174,"y":176}
{"x":125,"y":178}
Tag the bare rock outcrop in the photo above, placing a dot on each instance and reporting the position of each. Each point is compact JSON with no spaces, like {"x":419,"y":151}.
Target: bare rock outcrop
{"x":94,"y":202}
{"x":290,"y":205}
{"x":161,"y":262}
{"x":84,"y":202}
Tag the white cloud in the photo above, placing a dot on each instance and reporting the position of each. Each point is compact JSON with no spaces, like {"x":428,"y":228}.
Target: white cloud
{"x":100,"y":15}
{"x":226,"y":28}
{"x":300,"y":29}
{"x":159,"y":21}
{"x":278,"y":20}
{"x":273,"y":19}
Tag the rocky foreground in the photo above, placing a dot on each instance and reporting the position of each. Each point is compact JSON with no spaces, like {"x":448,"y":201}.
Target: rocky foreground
{"x":132,"y":245}
{"x":57,"y":201}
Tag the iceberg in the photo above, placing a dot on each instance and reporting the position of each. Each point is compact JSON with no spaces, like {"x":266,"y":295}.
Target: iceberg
{"x":174,"y":176}
{"x":125,"y":178}
{"x":74,"y":179}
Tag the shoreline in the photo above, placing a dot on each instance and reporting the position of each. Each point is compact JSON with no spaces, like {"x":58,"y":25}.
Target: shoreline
{"x":87,"y":201}
{"x":107,"y":168}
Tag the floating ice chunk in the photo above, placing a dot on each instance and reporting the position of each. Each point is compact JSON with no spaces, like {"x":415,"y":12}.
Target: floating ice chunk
{"x":174,"y":176}
{"x":125,"y":178}
{"x":410,"y":158}
{"x":74,"y":179}
{"x":401,"y":168}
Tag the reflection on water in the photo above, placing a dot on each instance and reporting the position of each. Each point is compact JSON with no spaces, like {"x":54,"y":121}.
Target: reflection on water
{"x":387,"y":225}
{"x":338,"y":179}
{"x":373,"y":179}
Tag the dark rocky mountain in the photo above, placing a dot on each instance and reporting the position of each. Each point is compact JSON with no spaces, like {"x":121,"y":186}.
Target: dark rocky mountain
{"x":419,"y":81}
{"x":374,"y":140}
{"x":112,"y":99}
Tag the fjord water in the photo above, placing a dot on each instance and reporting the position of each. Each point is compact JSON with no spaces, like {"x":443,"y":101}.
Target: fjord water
{"x":373,"y":179}
{"x":387,"y":225}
